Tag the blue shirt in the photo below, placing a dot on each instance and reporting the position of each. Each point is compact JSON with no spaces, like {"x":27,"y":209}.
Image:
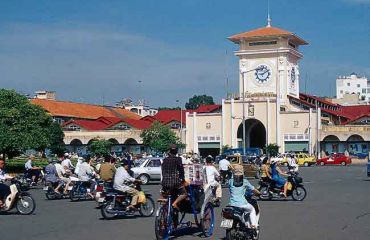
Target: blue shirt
{"x":237,"y":194}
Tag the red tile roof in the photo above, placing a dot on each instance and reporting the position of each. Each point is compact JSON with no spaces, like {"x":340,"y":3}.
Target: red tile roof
{"x":82,"y":110}
{"x":266,"y":32}
{"x":104,"y":123}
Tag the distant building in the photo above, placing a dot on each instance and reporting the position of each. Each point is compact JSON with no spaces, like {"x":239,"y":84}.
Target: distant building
{"x":353,"y":84}
{"x":49,"y":95}
{"x":141,"y":108}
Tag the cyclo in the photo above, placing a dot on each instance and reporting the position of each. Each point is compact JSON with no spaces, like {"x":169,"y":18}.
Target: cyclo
{"x":169,"y":220}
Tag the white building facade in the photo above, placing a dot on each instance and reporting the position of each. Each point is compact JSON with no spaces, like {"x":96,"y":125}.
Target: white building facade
{"x":353,"y":84}
{"x":268,"y":84}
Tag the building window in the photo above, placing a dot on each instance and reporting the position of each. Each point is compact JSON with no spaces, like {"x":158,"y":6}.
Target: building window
{"x":122,"y":126}
{"x":358,"y":85}
{"x":175,"y":125}
{"x":74,"y":128}
{"x":364,"y":90}
{"x":262,"y":43}
{"x":348,"y":84}
{"x":341,"y":91}
{"x":208,"y":125}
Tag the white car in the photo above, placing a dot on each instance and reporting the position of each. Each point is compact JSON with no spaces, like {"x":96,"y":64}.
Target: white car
{"x":149,"y":170}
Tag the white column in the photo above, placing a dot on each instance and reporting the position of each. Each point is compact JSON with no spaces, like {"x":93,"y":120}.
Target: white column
{"x":309,"y":132}
{"x":318,"y":126}
{"x":267,"y":121}
{"x":187,"y":137}
{"x":222,"y":142}
{"x":232,"y":123}
{"x":195,"y":136}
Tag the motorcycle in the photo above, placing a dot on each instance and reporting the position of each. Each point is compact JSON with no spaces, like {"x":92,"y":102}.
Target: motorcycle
{"x":21,"y":200}
{"x":101,"y":189}
{"x":80,"y":190}
{"x":25,"y":180}
{"x":51,"y":194}
{"x":295,"y":188}
{"x":236,"y":222}
{"x":116,"y":203}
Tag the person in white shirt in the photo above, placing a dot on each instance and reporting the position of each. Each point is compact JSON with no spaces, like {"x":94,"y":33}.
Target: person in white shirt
{"x":86,"y":173}
{"x":224,"y":167}
{"x":121,"y":182}
{"x":78,"y":164}
{"x":4,"y":189}
{"x":33,"y":172}
{"x":61,"y":172}
{"x":210,"y":176}
{"x":292,"y":163}
{"x":66,"y":163}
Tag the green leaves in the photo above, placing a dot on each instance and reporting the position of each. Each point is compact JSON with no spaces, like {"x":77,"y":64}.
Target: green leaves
{"x":100,"y":147}
{"x":24,"y":125}
{"x":198,"y":100}
{"x":272,"y":150}
{"x":158,"y":137}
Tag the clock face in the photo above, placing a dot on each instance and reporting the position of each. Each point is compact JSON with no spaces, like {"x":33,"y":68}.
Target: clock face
{"x":262,"y":73}
{"x":292,"y":75}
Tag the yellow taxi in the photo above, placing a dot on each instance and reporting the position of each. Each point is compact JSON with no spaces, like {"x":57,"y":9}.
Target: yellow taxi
{"x":304,"y":159}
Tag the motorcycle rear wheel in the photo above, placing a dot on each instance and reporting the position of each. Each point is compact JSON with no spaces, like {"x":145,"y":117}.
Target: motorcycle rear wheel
{"x":299,"y":193}
{"x":104,"y":210}
{"x":147,"y":209}
{"x":74,"y":195}
{"x":25,"y":205}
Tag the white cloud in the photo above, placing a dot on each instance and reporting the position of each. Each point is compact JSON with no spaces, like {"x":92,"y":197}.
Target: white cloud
{"x":90,"y":63}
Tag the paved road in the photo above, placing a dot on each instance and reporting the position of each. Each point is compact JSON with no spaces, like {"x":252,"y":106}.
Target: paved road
{"x":337,"y":207}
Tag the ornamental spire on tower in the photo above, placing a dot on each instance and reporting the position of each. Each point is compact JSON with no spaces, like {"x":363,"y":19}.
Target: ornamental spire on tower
{"x":268,"y":14}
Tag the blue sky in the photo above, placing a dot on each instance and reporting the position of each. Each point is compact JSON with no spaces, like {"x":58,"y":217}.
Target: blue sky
{"x":101,"y":51}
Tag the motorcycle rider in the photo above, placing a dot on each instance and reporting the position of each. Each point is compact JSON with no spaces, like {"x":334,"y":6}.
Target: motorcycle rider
{"x":67,"y":164}
{"x":265,"y":170}
{"x":210,"y":176}
{"x":238,"y":185}
{"x":107,"y":169}
{"x":51,"y":175}
{"x":173,"y":176}
{"x":4,"y":189}
{"x":275,"y":174}
{"x":121,"y":180}
{"x":292,"y":163}
{"x":86,"y":173}
{"x":33,"y":172}
{"x":62,"y":174}
{"x":224,"y":167}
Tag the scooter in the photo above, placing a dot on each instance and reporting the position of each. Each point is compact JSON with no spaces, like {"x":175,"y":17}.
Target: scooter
{"x":21,"y":200}
{"x":116,"y":204}
{"x":51,"y":194}
{"x":80,"y":190}
{"x":295,"y":189}
{"x":236,"y":221}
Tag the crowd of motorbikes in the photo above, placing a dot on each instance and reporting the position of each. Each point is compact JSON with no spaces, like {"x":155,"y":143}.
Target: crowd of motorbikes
{"x":113,"y":203}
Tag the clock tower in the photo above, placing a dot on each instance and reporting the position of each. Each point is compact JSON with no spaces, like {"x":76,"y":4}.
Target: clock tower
{"x":268,"y":62}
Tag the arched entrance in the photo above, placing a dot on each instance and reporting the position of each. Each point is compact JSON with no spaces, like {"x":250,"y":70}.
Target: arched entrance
{"x":76,"y":146}
{"x":255,"y":134}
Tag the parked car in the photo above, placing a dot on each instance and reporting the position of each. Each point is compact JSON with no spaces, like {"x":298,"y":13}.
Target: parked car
{"x":304,"y":159}
{"x":149,"y":170}
{"x":368,"y":167}
{"x":334,"y":159}
{"x":360,"y":155}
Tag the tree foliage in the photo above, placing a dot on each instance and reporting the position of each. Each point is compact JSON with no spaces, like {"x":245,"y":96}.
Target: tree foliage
{"x":100,"y":147}
{"x":272,"y":150}
{"x":197,"y":100}
{"x":24,"y":125}
{"x":168,"y":108}
{"x":158,"y":137}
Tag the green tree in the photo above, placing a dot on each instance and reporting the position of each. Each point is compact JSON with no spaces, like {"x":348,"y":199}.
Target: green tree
{"x":57,"y":145}
{"x":225,"y":147}
{"x":197,"y":100}
{"x":100,"y":147}
{"x":23,"y":125}
{"x":168,"y":108}
{"x":272,"y":150}
{"x":158,"y":137}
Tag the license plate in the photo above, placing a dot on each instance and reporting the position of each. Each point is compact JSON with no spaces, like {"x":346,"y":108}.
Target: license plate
{"x":227,"y":223}
{"x":70,"y":188}
{"x":45,"y":188}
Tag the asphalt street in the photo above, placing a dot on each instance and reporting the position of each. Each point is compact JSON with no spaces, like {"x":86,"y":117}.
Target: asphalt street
{"x":337,"y":207}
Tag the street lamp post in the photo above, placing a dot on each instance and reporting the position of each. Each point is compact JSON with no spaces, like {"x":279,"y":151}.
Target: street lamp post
{"x":178,"y":101}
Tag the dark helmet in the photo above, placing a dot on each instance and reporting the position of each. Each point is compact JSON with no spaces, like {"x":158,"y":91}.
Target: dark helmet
{"x":209,"y":159}
{"x":173,"y":149}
